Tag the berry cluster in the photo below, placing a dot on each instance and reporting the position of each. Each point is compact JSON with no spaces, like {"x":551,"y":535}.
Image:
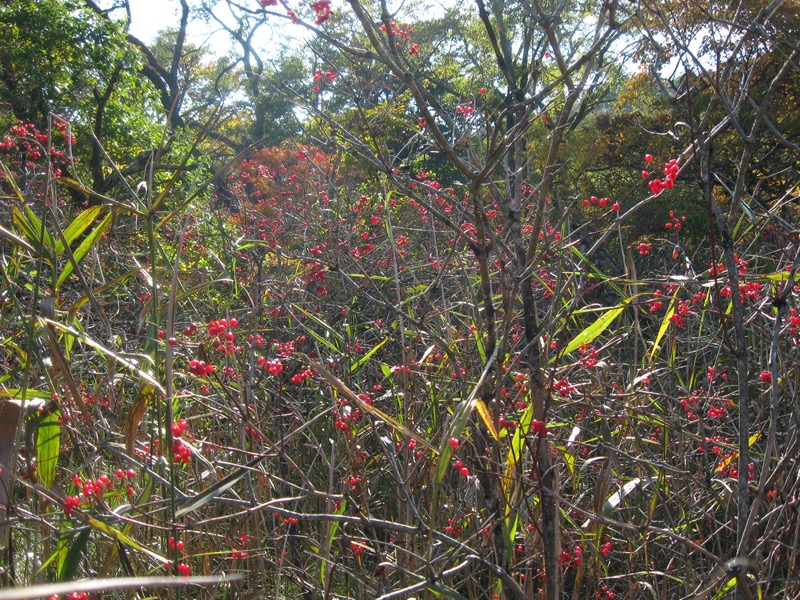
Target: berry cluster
{"x":273,"y":367}
{"x":241,"y":553}
{"x":92,"y":489}
{"x":574,"y":559}
{"x":601,"y":202}
{"x":657,"y":185}
{"x":180,"y":451}
{"x":199,"y":368}
{"x":220,"y":327}
{"x":674,"y":222}
{"x":175,"y":545}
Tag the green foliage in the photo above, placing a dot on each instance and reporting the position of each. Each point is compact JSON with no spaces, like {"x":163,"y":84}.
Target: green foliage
{"x":54,"y":54}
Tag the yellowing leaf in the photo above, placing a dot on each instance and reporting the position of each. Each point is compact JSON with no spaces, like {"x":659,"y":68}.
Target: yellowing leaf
{"x":146,"y":393}
{"x":483,"y":411}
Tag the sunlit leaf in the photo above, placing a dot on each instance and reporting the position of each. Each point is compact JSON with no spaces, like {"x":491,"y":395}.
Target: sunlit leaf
{"x":84,"y":248}
{"x":588,"y":335}
{"x":367,"y":355}
{"x":78,"y":226}
{"x":69,"y":568}
{"x":48,"y":447}
{"x":143,"y":398}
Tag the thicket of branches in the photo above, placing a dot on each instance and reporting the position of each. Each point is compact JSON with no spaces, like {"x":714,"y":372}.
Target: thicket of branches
{"x":463,"y":306}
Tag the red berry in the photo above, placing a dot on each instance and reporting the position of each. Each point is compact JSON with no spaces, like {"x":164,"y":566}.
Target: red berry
{"x":464,"y":472}
{"x":453,"y":443}
{"x":648,"y":157}
{"x":172,"y":341}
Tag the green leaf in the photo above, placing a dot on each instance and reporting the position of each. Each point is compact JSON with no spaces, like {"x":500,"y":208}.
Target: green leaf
{"x":664,"y":325}
{"x":218,"y":488}
{"x":69,"y":567}
{"x":459,"y":421}
{"x":120,"y":537}
{"x":48,"y":447}
{"x":729,"y":585}
{"x":85,"y":246}
{"x":569,"y":459}
{"x":30,"y":227}
{"x":77,"y":227}
{"x":517,"y":443}
{"x":123,"y":360}
{"x":16,"y":394}
{"x":367,"y":356}
{"x":334,"y":527}
{"x":592,"y":331}
{"x":479,"y":345}
{"x":511,"y":533}
{"x":332,"y":333}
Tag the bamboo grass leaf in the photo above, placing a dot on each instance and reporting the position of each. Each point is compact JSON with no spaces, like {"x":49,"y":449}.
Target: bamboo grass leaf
{"x":588,"y":335}
{"x":30,"y":227}
{"x":83,"y":249}
{"x":664,"y":326}
{"x":338,"y":385}
{"x":48,"y":447}
{"x":355,"y":366}
{"x":334,"y":527}
{"x":460,"y":418}
{"x":72,"y":560}
{"x":140,"y":404}
{"x":483,"y":411}
{"x":122,"y":359}
{"x":78,"y":226}
{"x":224,"y":484}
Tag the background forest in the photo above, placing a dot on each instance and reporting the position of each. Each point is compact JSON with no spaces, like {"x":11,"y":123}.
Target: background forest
{"x":482,"y":300}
